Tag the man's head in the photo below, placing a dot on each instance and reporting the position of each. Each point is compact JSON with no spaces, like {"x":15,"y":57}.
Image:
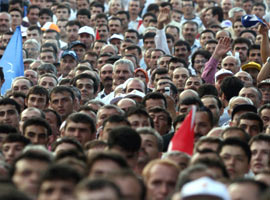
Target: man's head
{"x":81,"y":127}
{"x":236,"y":157}
{"x":37,"y":130}
{"x":122,"y":70}
{"x":68,"y":62}
{"x":154,"y":99}
{"x":125,"y":141}
{"x":253,"y":94}
{"x":190,"y":31}
{"x":5,"y":22}
{"x":37,"y":97}
{"x":251,"y":123}
{"x":231,"y":63}
{"x":138,"y":118}
{"x":241,"y":45}
{"x":162,"y":120}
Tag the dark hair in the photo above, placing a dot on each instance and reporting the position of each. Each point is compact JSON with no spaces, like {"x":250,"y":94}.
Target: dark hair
{"x":39,"y":122}
{"x":8,"y":101}
{"x":73,"y":22}
{"x":45,"y":11}
{"x":63,"y":6}
{"x":62,"y":89}
{"x":39,"y":90}
{"x":132,"y":47}
{"x":149,"y":35}
{"x":154,"y":95}
{"x":97,"y":4}
{"x":158,"y":109}
{"x":204,"y":53}
{"x":241,"y":40}
{"x":219,"y":103}
{"x":252,"y":47}
{"x":260,"y":138}
{"x":231,"y":86}
{"x":133,"y":31}
{"x":137,"y":110}
{"x":178,"y":119}
{"x":180,"y":60}
{"x":123,"y":12}
{"x":259,"y":4}
{"x":82,"y":118}
{"x":16,"y":138}
{"x":61,"y":172}
{"x":149,"y":14}
{"x":116,"y":119}
{"x":207,"y":89}
{"x":190,"y":100}
{"x":17,"y":10}
{"x":182,"y":43}
{"x":216,"y":10}
{"x":209,"y":113}
{"x":30,"y":155}
{"x":152,"y":7}
{"x":125,"y":137}
{"x":34,"y":27}
{"x":32,"y":7}
{"x":234,"y":128}
{"x":7,"y":129}
{"x":85,"y":12}
{"x":68,"y":140}
{"x":251,"y":116}
{"x":238,"y":143}
{"x":88,"y":76}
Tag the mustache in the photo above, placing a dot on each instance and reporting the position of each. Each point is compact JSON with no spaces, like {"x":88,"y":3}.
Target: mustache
{"x":108,"y":79}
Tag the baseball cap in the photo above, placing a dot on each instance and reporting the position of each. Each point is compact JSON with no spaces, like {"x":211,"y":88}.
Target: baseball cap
{"x":87,"y":29}
{"x":251,"y":65}
{"x":70,"y":53}
{"x":222,"y":72}
{"x":75,"y":43}
{"x":205,"y":186}
{"x":50,"y":26}
{"x":116,"y":36}
{"x":264,"y":82}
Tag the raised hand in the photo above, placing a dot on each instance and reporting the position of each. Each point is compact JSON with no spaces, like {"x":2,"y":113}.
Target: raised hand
{"x":164,"y":17}
{"x":223,"y":46}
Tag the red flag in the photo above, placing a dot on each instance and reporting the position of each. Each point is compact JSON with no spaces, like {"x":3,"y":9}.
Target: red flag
{"x":97,"y":35}
{"x":183,"y":139}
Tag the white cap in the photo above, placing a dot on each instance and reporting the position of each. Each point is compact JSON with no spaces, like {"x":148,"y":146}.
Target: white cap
{"x":116,"y":36}
{"x":87,"y":29}
{"x":135,"y":93}
{"x":205,"y":186}
{"x":222,"y":72}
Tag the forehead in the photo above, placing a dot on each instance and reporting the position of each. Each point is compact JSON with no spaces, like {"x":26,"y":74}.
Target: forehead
{"x":7,"y":107}
{"x":20,"y":82}
{"x":32,"y":113}
{"x":77,"y":124}
{"x":60,"y":94}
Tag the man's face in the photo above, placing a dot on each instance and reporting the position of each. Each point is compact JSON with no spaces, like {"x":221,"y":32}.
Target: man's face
{"x":193,"y":83}
{"x":84,"y":20}
{"x":132,"y":36}
{"x":187,"y":7}
{"x":226,"y":5}
{"x":16,"y":18}
{"x":103,"y":114}
{"x":259,"y":156}
{"x":229,"y":63}
{"x":151,"y":103}
{"x":265,"y":116}
{"x":205,"y":37}
{"x":179,"y":77}
{"x":33,"y":16}
{"x":81,"y":131}
{"x":252,"y":94}
{"x":139,"y":121}
{"x":255,"y":56}
{"x":62,"y":103}
{"x":11,"y":150}
{"x":135,"y":85}
{"x":27,"y":175}
{"x":67,"y":64}
{"x":103,"y":33}
{"x":155,"y":55}
{"x":210,"y":47}
{"x":160,"y":120}
{"x":56,"y":189}
{"x":28,"y":114}
{"x":106,"y":75}
{"x":189,"y":32}
{"x":259,"y":11}
{"x":86,"y":87}
{"x":242,"y":48}
{"x":124,"y":19}
{"x":47,"y":82}
{"x":199,"y":63}
{"x":235,"y":160}
{"x":238,"y":28}
{"x":181,"y":52}
{"x":252,"y":127}
{"x":37,"y":134}
{"x":33,"y":34}
{"x":44,"y":18}
{"x":80,"y":51}
{"x":149,"y":43}
{"x":149,"y":148}
{"x":62,"y":13}
{"x":265,"y":89}
{"x":115,"y":27}
{"x":212,"y":104}
{"x":9,"y":115}
{"x":100,"y":21}
{"x":244,"y":77}
{"x":32,"y":75}
{"x":32,"y":50}
{"x":121,"y":74}
{"x":202,"y":125}
{"x":37,"y":101}
{"x":72,"y":33}
{"x":86,"y":39}
{"x":82,"y":4}
{"x":161,"y":182}
{"x":47,"y":57}
{"x":5,"y":23}
{"x":134,"y":7}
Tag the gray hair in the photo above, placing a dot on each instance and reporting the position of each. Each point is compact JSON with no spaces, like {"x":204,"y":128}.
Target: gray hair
{"x":151,"y":131}
{"x":38,"y":148}
{"x":234,"y":10}
{"x":121,"y":3}
{"x":111,"y":106}
{"x":48,"y":67}
{"x":33,"y":42}
{"x":237,"y":61}
{"x":125,"y":62}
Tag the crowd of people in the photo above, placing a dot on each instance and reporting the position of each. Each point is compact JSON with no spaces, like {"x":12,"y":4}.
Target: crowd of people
{"x":108,"y":83}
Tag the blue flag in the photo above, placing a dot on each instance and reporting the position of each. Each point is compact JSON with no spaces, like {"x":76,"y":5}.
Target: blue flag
{"x":12,"y":60}
{"x":251,"y":20}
